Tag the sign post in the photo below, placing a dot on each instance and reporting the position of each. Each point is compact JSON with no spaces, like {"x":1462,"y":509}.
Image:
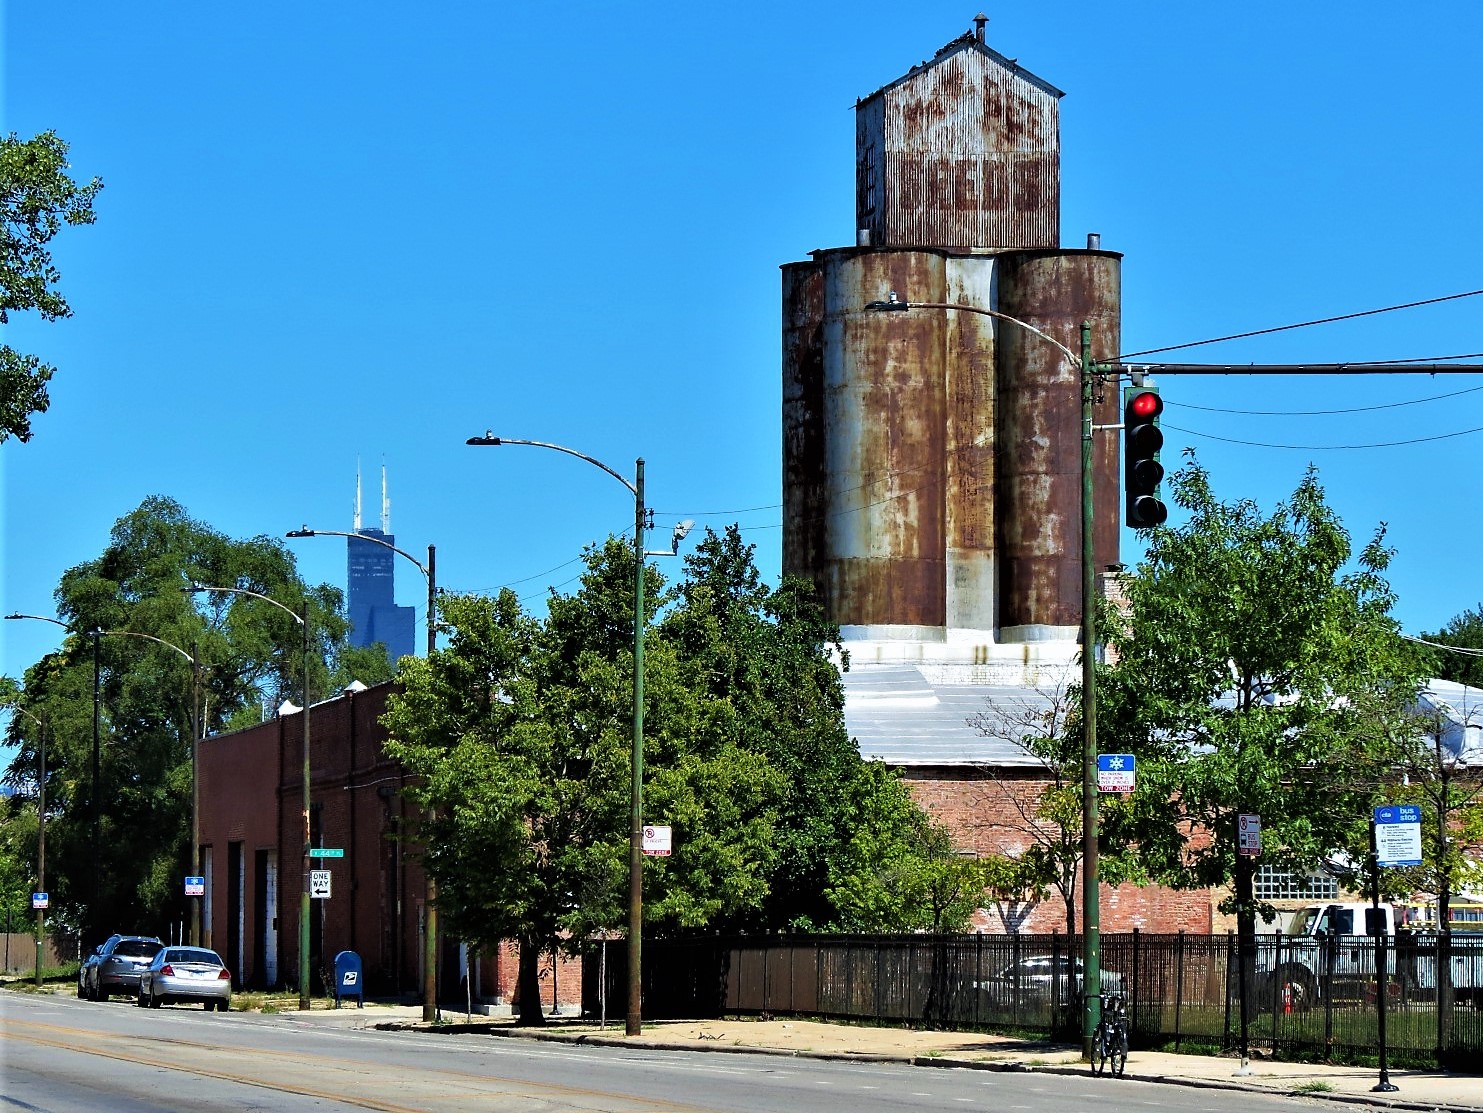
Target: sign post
{"x":1395,"y":840}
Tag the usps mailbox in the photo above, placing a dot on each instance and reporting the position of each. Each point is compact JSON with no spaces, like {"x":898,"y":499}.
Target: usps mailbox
{"x":349,"y":981}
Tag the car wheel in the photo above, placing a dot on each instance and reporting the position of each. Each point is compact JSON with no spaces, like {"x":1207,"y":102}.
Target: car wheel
{"x":223,"y":1006}
{"x":139,"y":1000}
{"x":100,"y":994}
{"x":154,"y":1002}
{"x":81,"y":991}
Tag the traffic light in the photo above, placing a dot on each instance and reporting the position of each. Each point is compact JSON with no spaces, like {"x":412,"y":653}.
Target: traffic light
{"x":1142,"y":471}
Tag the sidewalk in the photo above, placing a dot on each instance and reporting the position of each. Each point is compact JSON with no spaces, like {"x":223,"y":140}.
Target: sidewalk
{"x":965,"y":1050}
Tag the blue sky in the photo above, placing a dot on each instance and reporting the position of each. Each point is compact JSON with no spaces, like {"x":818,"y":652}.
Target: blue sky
{"x":367,"y":231}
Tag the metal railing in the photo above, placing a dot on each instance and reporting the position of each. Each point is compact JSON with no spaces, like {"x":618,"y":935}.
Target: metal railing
{"x":1305,"y":999}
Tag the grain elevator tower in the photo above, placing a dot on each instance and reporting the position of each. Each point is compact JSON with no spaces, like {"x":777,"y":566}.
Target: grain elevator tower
{"x":931,"y":473}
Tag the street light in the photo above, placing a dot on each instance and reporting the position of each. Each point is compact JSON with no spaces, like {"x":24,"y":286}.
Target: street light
{"x":40,"y":830}
{"x":1088,"y":373}
{"x":304,"y":906}
{"x":430,"y":906}
{"x":633,"y":1024}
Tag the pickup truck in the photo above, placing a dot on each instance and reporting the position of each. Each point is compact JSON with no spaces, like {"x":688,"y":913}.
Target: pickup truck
{"x":1330,"y":950}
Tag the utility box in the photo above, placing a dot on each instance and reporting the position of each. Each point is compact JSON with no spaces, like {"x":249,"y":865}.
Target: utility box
{"x":349,"y":978}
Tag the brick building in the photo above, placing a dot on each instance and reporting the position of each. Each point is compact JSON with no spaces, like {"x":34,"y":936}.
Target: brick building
{"x":251,"y":786}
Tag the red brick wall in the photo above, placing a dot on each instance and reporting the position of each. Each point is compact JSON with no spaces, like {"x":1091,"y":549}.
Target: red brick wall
{"x":986,"y":816}
{"x":251,"y":785}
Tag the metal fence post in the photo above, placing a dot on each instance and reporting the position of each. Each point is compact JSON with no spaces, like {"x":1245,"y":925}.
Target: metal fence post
{"x":1178,"y":985}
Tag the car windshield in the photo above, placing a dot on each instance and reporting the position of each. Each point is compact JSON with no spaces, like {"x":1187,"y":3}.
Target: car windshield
{"x":191,"y":954}
{"x":137,"y":948}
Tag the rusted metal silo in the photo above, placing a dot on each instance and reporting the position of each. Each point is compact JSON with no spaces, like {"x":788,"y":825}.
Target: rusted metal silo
{"x":931,"y":458}
{"x":1039,"y":437}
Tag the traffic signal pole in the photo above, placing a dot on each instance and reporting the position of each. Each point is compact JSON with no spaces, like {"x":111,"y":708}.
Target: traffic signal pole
{"x":1091,"y":919}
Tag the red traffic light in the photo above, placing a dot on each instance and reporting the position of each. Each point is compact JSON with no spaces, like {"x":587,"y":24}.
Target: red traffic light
{"x":1146,"y":404}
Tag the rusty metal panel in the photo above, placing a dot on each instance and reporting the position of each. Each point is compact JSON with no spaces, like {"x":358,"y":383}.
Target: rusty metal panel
{"x":963,"y":152}
{"x":884,"y":422}
{"x":969,"y":447}
{"x":804,"y":476}
{"x":1039,"y":435}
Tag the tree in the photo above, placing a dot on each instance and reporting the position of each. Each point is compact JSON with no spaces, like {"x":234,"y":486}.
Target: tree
{"x":764,"y":660}
{"x":1255,"y":654}
{"x":1465,"y":633}
{"x":1432,"y":771}
{"x":1047,"y":729}
{"x":128,"y":876}
{"x":38,"y":197}
{"x":521,"y":731}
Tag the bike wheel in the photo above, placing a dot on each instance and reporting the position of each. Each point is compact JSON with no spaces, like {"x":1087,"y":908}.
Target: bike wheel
{"x":1099,"y":1048}
{"x":1117,"y":1054}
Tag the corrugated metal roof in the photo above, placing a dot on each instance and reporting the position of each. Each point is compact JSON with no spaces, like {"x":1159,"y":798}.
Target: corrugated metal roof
{"x":899,"y":717}
{"x":964,"y":42}
{"x":1463,"y":705}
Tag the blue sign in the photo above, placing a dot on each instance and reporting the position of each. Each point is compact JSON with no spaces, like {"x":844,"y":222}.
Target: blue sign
{"x":40,"y":900}
{"x":1115,"y":772}
{"x":1398,"y":835}
{"x":195,"y":886}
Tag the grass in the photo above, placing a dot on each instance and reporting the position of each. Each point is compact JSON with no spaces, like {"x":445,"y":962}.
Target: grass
{"x":1313,"y":1086}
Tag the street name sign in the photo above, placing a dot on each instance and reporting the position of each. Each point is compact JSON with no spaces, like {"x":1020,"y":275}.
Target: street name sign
{"x":326,"y":852}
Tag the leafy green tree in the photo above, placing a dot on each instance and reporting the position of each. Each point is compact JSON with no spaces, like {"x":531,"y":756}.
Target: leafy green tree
{"x":1045,"y":728}
{"x":38,"y":197}
{"x":521,"y":734}
{"x":1431,"y":771}
{"x":897,"y":870}
{"x":251,"y":652}
{"x":1464,"y":632}
{"x":1256,"y":654}
{"x":764,"y":660}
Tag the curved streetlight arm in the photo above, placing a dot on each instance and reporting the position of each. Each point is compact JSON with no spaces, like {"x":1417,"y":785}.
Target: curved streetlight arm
{"x":489,"y":440}
{"x":307,"y":532}
{"x":196,"y":589}
{"x":53,"y":621}
{"x":895,"y":305}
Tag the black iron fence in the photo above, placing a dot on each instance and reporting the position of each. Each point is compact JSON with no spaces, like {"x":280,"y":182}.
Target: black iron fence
{"x":1304,"y":998}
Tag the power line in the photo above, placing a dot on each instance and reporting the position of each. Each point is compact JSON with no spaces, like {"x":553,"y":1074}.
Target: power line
{"x":1322,"y":413}
{"x":1325,"y":447}
{"x":1301,"y":324}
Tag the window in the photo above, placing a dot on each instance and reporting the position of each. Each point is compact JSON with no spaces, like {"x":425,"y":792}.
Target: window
{"x":1273,"y":883}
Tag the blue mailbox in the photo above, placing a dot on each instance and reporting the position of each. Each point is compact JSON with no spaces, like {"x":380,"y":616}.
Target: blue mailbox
{"x":349,"y":981}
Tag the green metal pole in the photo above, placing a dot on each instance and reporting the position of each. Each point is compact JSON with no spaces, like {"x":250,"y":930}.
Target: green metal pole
{"x":430,"y":885}
{"x":40,"y":846}
{"x":304,"y":906}
{"x":634,"y":1023}
{"x":1090,"y":899}
{"x":196,"y":718}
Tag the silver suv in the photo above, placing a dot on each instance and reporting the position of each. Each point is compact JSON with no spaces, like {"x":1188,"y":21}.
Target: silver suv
{"x":115,"y":966}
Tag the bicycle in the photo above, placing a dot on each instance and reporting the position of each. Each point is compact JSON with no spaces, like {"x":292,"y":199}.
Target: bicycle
{"x":1110,"y":1038}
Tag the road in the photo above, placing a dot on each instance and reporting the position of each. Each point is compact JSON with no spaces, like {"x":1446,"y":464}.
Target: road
{"x":64,"y":1055}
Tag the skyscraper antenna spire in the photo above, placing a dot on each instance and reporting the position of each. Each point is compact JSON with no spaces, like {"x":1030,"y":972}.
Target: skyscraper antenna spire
{"x":357,"y":495}
{"x":385,"y":503}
